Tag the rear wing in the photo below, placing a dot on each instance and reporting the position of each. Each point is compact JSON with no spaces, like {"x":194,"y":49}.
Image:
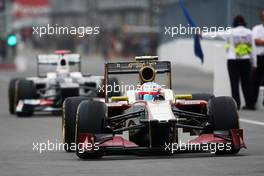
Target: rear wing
{"x":53,"y":59}
{"x":134,"y":67}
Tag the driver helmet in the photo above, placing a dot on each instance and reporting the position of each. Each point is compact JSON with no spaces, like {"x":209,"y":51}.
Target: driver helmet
{"x":149,"y":90}
{"x":63,"y":68}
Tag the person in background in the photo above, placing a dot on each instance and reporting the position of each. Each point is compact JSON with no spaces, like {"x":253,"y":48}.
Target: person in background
{"x":240,"y":58}
{"x":258,"y":35}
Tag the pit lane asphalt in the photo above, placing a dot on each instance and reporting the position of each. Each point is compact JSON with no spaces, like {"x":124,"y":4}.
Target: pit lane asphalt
{"x":17,"y":136}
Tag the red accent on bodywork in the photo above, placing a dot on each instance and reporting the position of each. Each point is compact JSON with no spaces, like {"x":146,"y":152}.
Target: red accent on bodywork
{"x":236,"y":139}
{"x":190,"y":105}
{"x":46,"y":102}
{"x":118,"y":141}
{"x":86,"y":142}
{"x":207,"y":138}
{"x":62,"y":52}
{"x":82,"y":137}
{"x":148,"y":93}
{"x":118,"y":105}
{"x":180,"y":103}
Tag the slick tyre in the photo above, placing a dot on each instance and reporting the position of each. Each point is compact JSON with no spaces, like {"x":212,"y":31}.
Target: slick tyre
{"x":69,"y":110}
{"x":223,"y":116}
{"x":11,"y":95}
{"x":25,"y":89}
{"x":90,"y":119}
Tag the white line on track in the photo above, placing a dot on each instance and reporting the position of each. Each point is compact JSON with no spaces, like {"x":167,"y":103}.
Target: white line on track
{"x":252,"y":122}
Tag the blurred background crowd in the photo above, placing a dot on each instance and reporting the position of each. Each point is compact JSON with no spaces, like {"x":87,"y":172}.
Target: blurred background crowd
{"x":127,"y":28}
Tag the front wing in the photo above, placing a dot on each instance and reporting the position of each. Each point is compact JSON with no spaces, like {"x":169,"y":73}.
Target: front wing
{"x":117,"y":144}
{"x":38,"y":105}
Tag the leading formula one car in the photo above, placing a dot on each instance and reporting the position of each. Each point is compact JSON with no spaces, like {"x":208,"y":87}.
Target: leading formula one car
{"x":149,"y":119}
{"x":46,"y":92}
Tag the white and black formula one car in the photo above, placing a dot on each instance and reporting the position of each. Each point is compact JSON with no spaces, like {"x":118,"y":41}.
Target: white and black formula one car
{"x":46,"y":92}
{"x":150,"y":119}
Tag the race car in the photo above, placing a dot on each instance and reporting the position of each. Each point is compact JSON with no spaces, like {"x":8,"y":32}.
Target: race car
{"x":150,"y":119}
{"x":47,"y":91}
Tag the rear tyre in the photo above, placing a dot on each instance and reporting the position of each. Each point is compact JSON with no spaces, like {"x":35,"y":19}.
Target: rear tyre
{"x":223,"y":116}
{"x":25,"y":89}
{"x":90,"y":119}
{"x":12,"y":94}
{"x":69,"y":111}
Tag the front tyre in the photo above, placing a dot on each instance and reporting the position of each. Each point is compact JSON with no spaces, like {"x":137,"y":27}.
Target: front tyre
{"x":11,"y":95}
{"x":224,"y":117}
{"x":25,"y":90}
{"x":69,"y":111}
{"x":90,"y":119}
